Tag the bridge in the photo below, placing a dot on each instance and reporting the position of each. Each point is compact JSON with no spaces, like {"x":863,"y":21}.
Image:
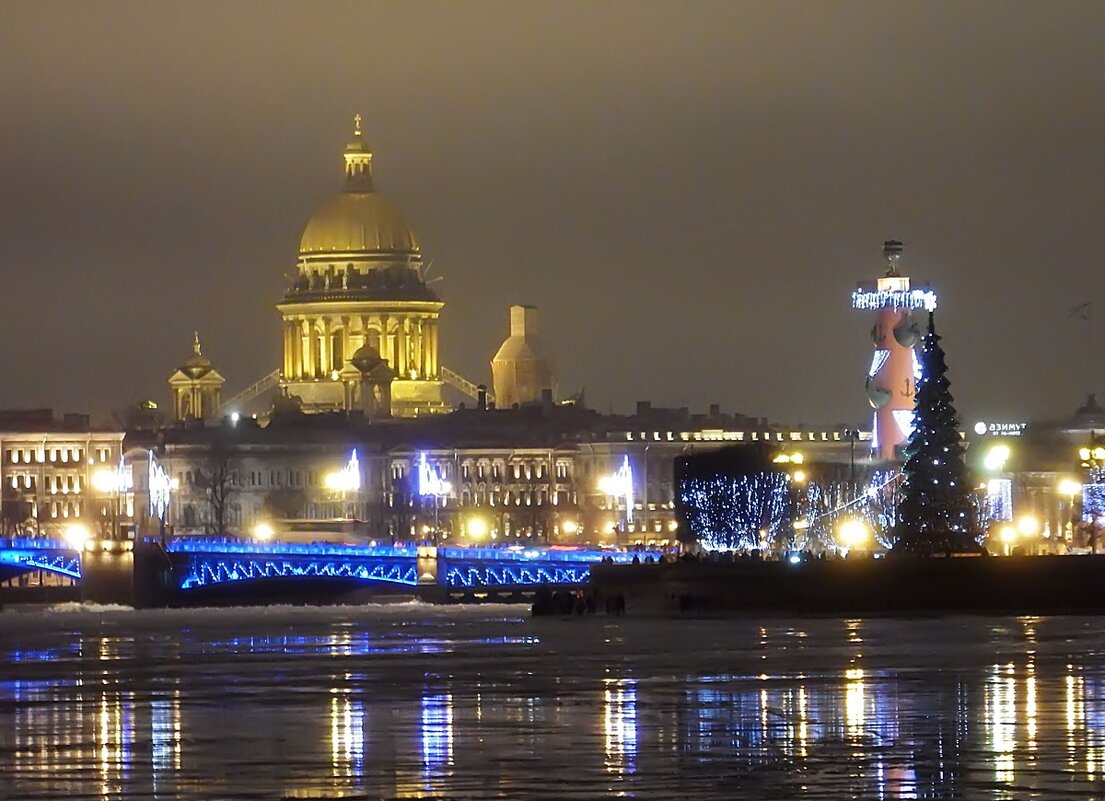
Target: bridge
{"x":188,"y":564}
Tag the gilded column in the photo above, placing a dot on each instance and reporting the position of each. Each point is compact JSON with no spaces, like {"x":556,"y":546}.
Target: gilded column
{"x":290,"y":348}
{"x":433,"y":349}
{"x":401,"y":347}
{"x":296,"y":344}
{"x":385,"y":342}
{"x":324,"y":351}
{"x":308,"y":350}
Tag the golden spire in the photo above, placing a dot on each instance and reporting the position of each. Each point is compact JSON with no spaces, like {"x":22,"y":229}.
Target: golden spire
{"x":357,"y":124}
{"x":196,"y":343}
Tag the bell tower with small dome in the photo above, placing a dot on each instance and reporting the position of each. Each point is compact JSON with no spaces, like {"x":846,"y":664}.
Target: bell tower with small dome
{"x":358,"y":285}
{"x":196,"y":386}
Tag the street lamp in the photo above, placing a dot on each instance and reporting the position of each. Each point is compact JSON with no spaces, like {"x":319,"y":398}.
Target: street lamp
{"x":77,"y":535}
{"x":1070,"y":488}
{"x":853,"y":533}
{"x":111,"y":482}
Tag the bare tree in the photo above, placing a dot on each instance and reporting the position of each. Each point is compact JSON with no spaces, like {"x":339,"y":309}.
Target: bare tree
{"x":285,"y":503}
{"x":15,"y":512}
{"x":217,"y":476}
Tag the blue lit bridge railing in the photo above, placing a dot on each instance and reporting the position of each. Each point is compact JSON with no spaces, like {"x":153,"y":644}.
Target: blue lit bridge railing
{"x":29,"y":553}
{"x":202,"y":562}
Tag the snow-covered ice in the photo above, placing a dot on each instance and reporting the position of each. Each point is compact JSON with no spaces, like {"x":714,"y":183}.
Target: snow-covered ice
{"x":410,"y":700}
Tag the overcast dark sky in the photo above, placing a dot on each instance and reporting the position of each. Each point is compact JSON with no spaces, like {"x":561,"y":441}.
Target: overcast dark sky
{"x":688,"y":190}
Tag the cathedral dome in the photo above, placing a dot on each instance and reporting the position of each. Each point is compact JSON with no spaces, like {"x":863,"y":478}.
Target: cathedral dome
{"x":359,"y":220}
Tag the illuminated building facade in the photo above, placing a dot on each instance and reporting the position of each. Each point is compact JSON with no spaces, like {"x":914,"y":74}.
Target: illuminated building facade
{"x":538,"y":473}
{"x":49,"y":473}
{"x":892,"y":376}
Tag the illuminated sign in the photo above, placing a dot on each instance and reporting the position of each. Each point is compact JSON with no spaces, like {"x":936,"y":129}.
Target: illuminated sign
{"x":1000,"y":429}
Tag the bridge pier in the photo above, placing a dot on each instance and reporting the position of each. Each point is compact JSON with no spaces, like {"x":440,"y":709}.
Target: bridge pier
{"x":124,"y":573}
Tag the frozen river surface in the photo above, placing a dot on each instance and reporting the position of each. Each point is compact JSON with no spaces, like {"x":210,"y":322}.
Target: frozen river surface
{"x":482,"y":702}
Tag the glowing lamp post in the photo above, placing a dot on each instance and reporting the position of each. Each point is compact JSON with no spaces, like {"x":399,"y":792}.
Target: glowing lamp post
{"x":345,"y":481}
{"x":77,"y":536}
{"x":853,"y":534}
{"x":1070,"y":488}
{"x":112,"y":483}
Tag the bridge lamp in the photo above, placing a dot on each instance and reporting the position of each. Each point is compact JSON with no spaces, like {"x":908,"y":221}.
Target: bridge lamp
{"x":799,"y":476}
{"x":1007,"y":534}
{"x":853,"y":533}
{"x":570,"y":526}
{"x":263,"y":532}
{"x":477,"y":528}
{"x":77,"y":535}
{"x":1028,"y":525}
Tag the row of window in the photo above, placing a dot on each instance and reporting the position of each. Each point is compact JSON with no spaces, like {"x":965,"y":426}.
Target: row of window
{"x":495,"y":470}
{"x":53,"y":455}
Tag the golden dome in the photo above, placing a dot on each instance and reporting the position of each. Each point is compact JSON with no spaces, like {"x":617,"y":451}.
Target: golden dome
{"x":357,"y":222}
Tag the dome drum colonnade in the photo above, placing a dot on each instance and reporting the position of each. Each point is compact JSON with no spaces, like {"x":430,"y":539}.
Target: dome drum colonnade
{"x":359,"y":285}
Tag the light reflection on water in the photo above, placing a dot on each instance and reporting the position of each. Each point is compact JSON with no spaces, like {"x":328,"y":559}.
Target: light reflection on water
{"x":472,"y":704}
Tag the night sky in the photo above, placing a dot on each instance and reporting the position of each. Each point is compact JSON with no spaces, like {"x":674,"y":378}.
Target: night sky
{"x":689,"y":191}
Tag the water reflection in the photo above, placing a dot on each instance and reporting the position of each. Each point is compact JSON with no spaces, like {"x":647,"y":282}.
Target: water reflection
{"x":437,"y":733}
{"x":990,"y":710}
{"x":619,"y":725}
{"x":347,"y":736}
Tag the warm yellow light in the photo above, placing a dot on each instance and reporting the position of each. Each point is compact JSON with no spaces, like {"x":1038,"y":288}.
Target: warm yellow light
{"x":339,"y":480}
{"x":1084,"y":454}
{"x":174,"y":484}
{"x":996,"y":457}
{"x":104,"y":480}
{"x":797,"y":458}
{"x":799,"y":476}
{"x":1028,"y":525}
{"x":853,"y":533}
{"x":570,"y":526}
{"x":801,"y":524}
{"x":77,"y":535}
{"x":1007,"y":533}
{"x":782,"y":458}
{"x":263,"y":531}
{"x":612,"y":485}
{"x":1070,"y":487}
{"x":1099,"y":454}
{"x":477,"y":528}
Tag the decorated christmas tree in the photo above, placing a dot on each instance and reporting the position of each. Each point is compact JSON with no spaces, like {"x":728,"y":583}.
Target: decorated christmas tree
{"x":936,"y":514}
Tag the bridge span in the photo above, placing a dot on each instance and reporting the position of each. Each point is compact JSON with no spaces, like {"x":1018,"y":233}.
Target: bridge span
{"x":147,"y":573}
